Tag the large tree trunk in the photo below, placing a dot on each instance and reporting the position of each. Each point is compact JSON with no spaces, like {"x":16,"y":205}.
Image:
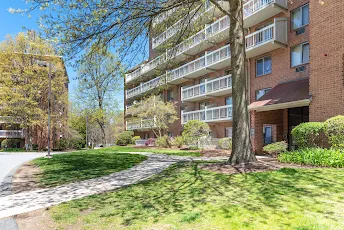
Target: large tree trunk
{"x":242,"y":148}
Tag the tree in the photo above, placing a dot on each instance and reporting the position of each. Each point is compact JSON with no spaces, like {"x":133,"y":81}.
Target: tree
{"x":156,"y":113}
{"x":99,"y":79}
{"x":24,"y":84}
{"x":194,"y":131}
{"x":124,"y":25}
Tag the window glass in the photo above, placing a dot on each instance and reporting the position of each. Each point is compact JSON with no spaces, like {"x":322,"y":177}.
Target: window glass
{"x":261,"y":92}
{"x":260,"y":67}
{"x":305,"y":15}
{"x":296,"y":54}
{"x":264,"y":66}
{"x":229,"y":101}
{"x":305,"y":53}
{"x":296,"y":18}
{"x":267,"y":65}
{"x":267,"y":135}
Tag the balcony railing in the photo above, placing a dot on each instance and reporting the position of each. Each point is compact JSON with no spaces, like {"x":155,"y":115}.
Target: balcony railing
{"x":11,"y":134}
{"x":145,"y":87}
{"x":210,"y":31}
{"x":163,"y":16}
{"x":207,"y":61}
{"x":212,"y":87}
{"x":140,"y":124}
{"x":255,"y":11}
{"x":269,"y":38}
{"x":190,"y":18}
{"x":222,"y":113}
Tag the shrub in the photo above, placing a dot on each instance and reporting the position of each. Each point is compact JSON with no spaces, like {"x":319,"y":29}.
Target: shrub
{"x":134,"y":139}
{"x":315,"y":156}
{"x":150,"y":142}
{"x":310,"y":134}
{"x":335,"y":131}
{"x":73,"y":143}
{"x":35,"y":146}
{"x":163,"y":141}
{"x":225,"y":143}
{"x":194,"y":131}
{"x":10,"y":143}
{"x":125,"y":138}
{"x":178,"y":141}
{"x":276,"y":148}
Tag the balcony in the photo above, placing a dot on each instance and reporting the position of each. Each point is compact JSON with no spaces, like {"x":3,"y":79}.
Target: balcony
{"x":213,"y":33}
{"x":267,"y":39}
{"x":11,"y":134}
{"x":210,"y":62}
{"x":140,"y":124}
{"x":216,"y":114}
{"x":145,"y":87}
{"x":213,"y":88}
{"x":203,"y":15}
{"x":256,"y":11}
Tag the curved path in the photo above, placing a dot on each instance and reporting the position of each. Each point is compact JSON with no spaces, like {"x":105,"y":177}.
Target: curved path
{"x":28,"y":201}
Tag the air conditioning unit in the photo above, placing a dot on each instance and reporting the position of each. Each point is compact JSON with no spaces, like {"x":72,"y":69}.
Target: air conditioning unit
{"x":300,"y":69}
{"x":300,"y":31}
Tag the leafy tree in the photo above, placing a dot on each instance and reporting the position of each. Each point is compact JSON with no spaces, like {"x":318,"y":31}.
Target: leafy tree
{"x":99,"y":79}
{"x":194,"y":131}
{"x":156,"y":113}
{"x":125,"y":24}
{"x":24,"y":83}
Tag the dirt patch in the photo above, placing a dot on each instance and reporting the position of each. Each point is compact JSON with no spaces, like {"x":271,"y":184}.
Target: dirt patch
{"x":26,"y":179}
{"x":215,"y":153}
{"x":262,"y":165}
{"x":39,"y":219}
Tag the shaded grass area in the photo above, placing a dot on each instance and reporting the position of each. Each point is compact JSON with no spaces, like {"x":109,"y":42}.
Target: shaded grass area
{"x":78,"y":166}
{"x":185,"y":197}
{"x":177,"y":152}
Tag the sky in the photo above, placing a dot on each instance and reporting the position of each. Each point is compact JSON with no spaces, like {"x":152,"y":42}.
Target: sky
{"x":14,"y":23}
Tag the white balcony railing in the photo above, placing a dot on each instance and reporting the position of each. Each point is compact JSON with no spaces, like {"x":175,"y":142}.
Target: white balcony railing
{"x":207,"y":88}
{"x":145,"y":87}
{"x":203,"y":62}
{"x":210,"y":31}
{"x":11,"y":134}
{"x":260,"y":36}
{"x":140,"y":124}
{"x":190,"y":18}
{"x":222,"y":113}
{"x":163,"y":16}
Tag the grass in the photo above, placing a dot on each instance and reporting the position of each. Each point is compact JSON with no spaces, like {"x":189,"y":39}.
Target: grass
{"x":185,"y":197}
{"x":83,"y":165}
{"x":176,"y":152}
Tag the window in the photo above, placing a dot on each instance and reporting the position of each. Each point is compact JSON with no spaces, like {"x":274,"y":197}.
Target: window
{"x":300,"y":54}
{"x":300,"y":17}
{"x":170,"y":95}
{"x":229,"y":132}
{"x":263,"y":66}
{"x":229,"y":101}
{"x":202,"y":87}
{"x":267,"y":135}
{"x":261,"y":92}
{"x":202,"y":105}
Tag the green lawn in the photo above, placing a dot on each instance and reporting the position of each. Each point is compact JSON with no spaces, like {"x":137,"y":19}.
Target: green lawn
{"x":83,"y":165}
{"x":176,"y":152}
{"x":184,"y":197}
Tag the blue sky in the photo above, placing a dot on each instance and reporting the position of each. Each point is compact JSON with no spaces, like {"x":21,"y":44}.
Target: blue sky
{"x":14,"y":23}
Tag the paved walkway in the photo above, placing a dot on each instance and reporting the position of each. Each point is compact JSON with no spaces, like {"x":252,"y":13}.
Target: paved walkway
{"x":28,"y":201}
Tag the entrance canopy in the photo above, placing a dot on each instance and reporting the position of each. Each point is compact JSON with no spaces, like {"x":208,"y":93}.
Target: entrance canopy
{"x":285,"y":95}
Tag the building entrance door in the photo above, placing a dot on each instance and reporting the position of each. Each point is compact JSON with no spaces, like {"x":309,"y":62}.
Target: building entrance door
{"x":296,"y":116}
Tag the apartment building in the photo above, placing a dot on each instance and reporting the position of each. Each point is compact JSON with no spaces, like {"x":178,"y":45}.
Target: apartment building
{"x":295,"y":61}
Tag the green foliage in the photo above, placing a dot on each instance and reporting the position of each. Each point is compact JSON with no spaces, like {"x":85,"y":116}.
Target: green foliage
{"x":134,"y":139}
{"x":125,"y":138}
{"x":178,"y":141}
{"x":194,"y":131}
{"x":72,"y":143}
{"x":10,"y":143}
{"x":276,"y":148}
{"x":13,"y":150}
{"x":225,"y":143}
{"x":315,"y":156}
{"x":163,"y":141}
{"x":335,"y":131}
{"x":310,"y":134}
{"x":83,"y":165}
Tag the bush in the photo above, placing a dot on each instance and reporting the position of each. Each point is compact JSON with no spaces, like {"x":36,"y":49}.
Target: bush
{"x":276,"y":148}
{"x":178,"y":141}
{"x":150,"y":142}
{"x":35,"y":146}
{"x":335,"y":131}
{"x":10,"y":143}
{"x":73,"y":143}
{"x":125,"y":138}
{"x":315,"y":156}
{"x":134,"y":139}
{"x":163,"y":141}
{"x":310,"y":134}
{"x":194,"y":131}
{"x":225,"y":143}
